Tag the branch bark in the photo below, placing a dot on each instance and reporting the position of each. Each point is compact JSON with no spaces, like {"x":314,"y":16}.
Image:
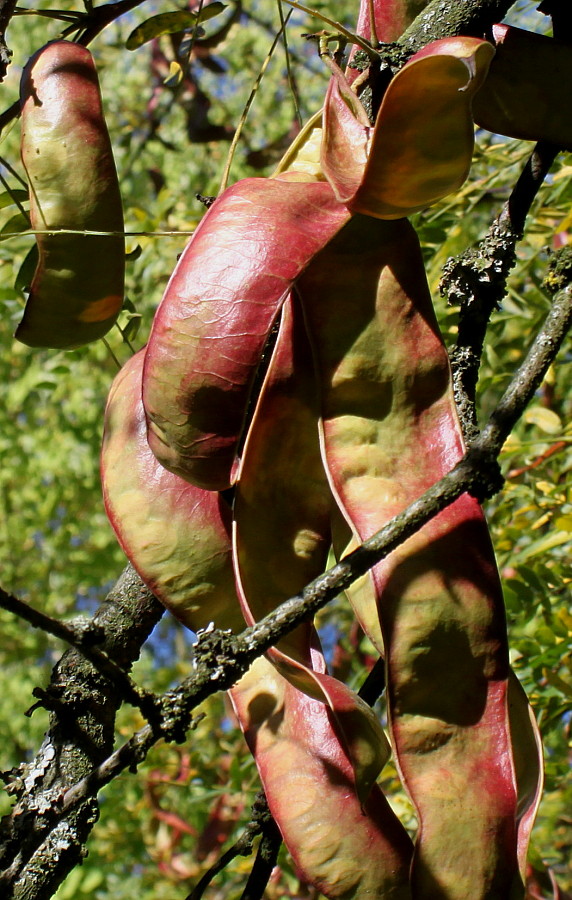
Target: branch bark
{"x":448,"y":18}
{"x":38,"y":845}
{"x":7,"y":8}
{"x":476,"y":280}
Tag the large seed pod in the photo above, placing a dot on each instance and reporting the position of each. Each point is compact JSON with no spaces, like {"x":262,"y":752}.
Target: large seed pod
{"x":176,"y":535}
{"x":389,"y":432}
{"x":211,"y":328}
{"x":528,"y":87}
{"x":406,"y":162}
{"x":282,"y":535}
{"x":77,"y":290}
{"x":353,"y":851}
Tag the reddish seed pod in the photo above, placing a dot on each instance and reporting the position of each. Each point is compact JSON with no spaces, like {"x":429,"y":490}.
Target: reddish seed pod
{"x":77,"y":290}
{"x":214,"y":320}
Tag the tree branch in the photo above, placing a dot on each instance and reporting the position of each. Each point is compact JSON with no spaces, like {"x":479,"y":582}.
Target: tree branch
{"x":476,"y":280}
{"x":448,"y":18}
{"x":261,"y":822}
{"x":38,"y":845}
{"x":82,"y":636}
{"x":7,"y":8}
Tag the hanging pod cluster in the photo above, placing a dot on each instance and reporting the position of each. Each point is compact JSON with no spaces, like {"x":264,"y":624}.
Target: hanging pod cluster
{"x":354,"y":419}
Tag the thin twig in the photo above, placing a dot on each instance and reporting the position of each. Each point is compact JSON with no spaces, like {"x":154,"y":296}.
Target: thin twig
{"x":290,"y":74}
{"x":266,"y":857}
{"x":248,"y":104}
{"x":476,"y":281}
{"x":261,"y":822}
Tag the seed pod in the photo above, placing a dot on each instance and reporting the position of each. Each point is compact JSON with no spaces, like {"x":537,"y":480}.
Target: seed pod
{"x":528,"y":86}
{"x":389,"y":432}
{"x":406,"y":162}
{"x":282,"y":535}
{"x":212,"y":325}
{"x":349,"y":851}
{"x":176,"y":536}
{"x":77,"y":290}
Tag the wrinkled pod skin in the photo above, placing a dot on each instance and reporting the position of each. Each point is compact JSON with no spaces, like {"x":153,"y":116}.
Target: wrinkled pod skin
{"x":213,"y":323}
{"x":389,"y":431}
{"x":77,"y":290}
{"x":177,"y":537}
{"x":281,"y":534}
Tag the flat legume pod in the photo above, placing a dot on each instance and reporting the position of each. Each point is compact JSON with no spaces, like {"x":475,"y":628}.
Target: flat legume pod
{"x":210,"y":330}
{"x":77,"y":290}
{"x":177,"y":537}
{"x":390,"y":431}
{"x":282,"y":536}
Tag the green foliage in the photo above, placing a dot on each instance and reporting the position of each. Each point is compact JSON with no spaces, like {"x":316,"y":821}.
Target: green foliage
{"x":57,"y":550}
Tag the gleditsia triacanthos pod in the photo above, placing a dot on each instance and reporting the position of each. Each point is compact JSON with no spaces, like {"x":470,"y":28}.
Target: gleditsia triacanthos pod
{"x":350,"y":850}
{"x":389,"y":431}
{"x":528,"y":85}
{"x":281,"y":531}
{"x":213,"y":322}
{"x":177,"y":538}
{"x":421,"y":146}
{"x":77,"y":290}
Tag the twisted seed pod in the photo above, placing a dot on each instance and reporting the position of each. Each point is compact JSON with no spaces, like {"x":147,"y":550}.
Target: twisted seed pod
{"x":405,"y":163}
{"x":282,"y":536}
{"x":390,"y":431}
{"x":212,"y":325}
{"x":77,"y":290}
{"x":353,"y":851}
{"x":177,"y":537}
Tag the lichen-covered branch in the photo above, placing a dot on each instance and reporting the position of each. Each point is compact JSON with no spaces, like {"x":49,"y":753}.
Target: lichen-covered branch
{"x":40,"y":843}
{"x":84,"y":636}
{"x":446,"y":18}
{"x":476,"y":280}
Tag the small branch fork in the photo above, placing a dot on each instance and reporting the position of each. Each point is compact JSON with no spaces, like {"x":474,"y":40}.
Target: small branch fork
{"x":84,"y":637}
{"x":222,"y":658}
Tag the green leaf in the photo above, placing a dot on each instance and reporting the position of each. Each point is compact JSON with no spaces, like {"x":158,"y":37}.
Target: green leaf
{"x":9,"y":198}
{"x":15,"y":224}
{"x":130,"y":331}
{"x":170,"y":23}
{"x":27,"y":269}
{"x":548,"y":542}
{"x":545,"y":419}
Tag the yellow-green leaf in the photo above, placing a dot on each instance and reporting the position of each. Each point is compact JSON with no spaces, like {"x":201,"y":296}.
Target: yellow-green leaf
{"x":15,"y":224}
{"x":170,"y":23}
{"x":545,"y":419}
{"x":9,"y":198}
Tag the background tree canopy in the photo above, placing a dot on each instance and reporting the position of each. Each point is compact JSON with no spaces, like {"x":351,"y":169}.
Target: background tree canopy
{"x":172,"y":108}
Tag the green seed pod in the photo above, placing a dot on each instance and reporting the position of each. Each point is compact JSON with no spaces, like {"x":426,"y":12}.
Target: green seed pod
{"x":77,"y":289}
